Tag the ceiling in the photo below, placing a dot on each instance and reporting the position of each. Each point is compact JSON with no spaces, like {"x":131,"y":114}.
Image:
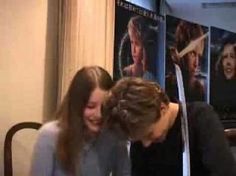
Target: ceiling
{"x":200,"y":1}
{"x":205,"y":3}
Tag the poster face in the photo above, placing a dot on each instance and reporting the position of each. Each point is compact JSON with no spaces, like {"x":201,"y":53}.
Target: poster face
{"x":223,"y":72}
{"x":186,"y":46}
{"x":135,"y":52}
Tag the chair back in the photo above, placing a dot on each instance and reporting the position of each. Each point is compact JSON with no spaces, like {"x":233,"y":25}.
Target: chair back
{"x":8,"y":143}
{"x":231,"y":136}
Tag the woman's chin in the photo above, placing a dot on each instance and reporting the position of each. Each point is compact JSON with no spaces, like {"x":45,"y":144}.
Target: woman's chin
{"x":94,"y":130}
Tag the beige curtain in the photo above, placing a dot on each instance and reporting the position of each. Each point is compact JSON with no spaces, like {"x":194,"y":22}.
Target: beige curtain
{"x":86,"y":37}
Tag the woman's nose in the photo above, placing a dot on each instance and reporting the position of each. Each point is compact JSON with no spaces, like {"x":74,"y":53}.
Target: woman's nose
{"x":98,"y":112}
{"x":197,"y":59}
{"x":133,"y":49}
{"x":227,"y":62}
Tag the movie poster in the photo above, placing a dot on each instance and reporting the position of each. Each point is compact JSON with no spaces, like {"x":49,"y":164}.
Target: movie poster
{"x":135,"y":52}
{"x":223,"y":72}
{"x":186,"y":46}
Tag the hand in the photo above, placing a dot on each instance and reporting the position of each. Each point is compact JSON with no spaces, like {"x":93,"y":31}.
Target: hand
{"x":174,"y":55}
{"x":192,"y":45}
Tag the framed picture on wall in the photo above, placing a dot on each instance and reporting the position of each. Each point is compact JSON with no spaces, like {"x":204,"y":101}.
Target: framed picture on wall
{"x":135,"y":48}
{"x":187,"y":46}
{"x":223,"y":73}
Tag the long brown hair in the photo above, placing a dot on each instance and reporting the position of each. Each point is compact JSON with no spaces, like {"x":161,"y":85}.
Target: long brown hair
{"x":228,"y":41}
{"x":72,"y":133}
{"x":184,"y":34}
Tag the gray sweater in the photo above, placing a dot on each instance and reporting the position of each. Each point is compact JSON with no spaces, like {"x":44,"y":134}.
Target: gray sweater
{"x":103,"y":156}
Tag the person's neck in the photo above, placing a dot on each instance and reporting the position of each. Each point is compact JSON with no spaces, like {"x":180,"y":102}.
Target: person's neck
{"x":90,"y":136}
{"x":173,"y":113}
{"x":138,"y":65}
{"x":138,"y":69}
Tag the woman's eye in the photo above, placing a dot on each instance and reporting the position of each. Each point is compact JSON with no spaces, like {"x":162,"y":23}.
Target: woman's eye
{"x":193,"y":53}
{"x":90,"y":106}
{"x":232,"y":55}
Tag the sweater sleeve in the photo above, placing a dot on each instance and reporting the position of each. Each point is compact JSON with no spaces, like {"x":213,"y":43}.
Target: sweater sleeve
{"x":44,"y":149}
{"x":216,"y":154}
{"x":122,"y":161}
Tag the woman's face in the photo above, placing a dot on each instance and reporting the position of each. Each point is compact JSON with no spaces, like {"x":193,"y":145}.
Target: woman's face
{"x":136,"y":47}
{"x":229,"y":61}
{"x":92,"y":112}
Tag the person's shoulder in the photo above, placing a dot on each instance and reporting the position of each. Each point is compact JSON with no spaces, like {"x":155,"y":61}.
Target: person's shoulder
{"x":128,"y":67}
{"x":111,"y":137}
{"x":49,"y":129}
{"x":149,"y":76}
{"x":48,"y":136}
{"x":198,"y":84}
{"x":200,"y":105}
{"x":108,"y":134}
{"x":128,"y":70}
{"x":198,"y":109}
{"x":202,"y":112}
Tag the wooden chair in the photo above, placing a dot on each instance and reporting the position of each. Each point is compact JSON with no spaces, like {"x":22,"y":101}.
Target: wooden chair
{"x":8,"y":143}
{"x":230,"y":134}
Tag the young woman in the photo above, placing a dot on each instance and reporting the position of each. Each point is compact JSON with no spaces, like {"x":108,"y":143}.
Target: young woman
{"x":137,"y":47}
{"x":223,"y":85}
{"x":75,"y":144}
{"x":226,"y":64}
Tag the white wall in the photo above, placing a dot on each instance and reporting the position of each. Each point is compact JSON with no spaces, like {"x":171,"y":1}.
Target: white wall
{"x":147,"y":4}
{"x":28,"y":69}
{"x":223,"y":17}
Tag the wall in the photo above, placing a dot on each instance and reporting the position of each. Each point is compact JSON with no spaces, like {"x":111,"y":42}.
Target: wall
{"x":28,"y":71}
{"x":221,"y":17}
{"x":147,"y":4}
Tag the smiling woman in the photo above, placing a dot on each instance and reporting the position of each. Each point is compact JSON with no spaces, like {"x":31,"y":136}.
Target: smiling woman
{"x":229,"y":61}
{"x":223,"y":83}
{"x":226,"y":65}
{"x":92,"y":112}
{"x":75,"y":143}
